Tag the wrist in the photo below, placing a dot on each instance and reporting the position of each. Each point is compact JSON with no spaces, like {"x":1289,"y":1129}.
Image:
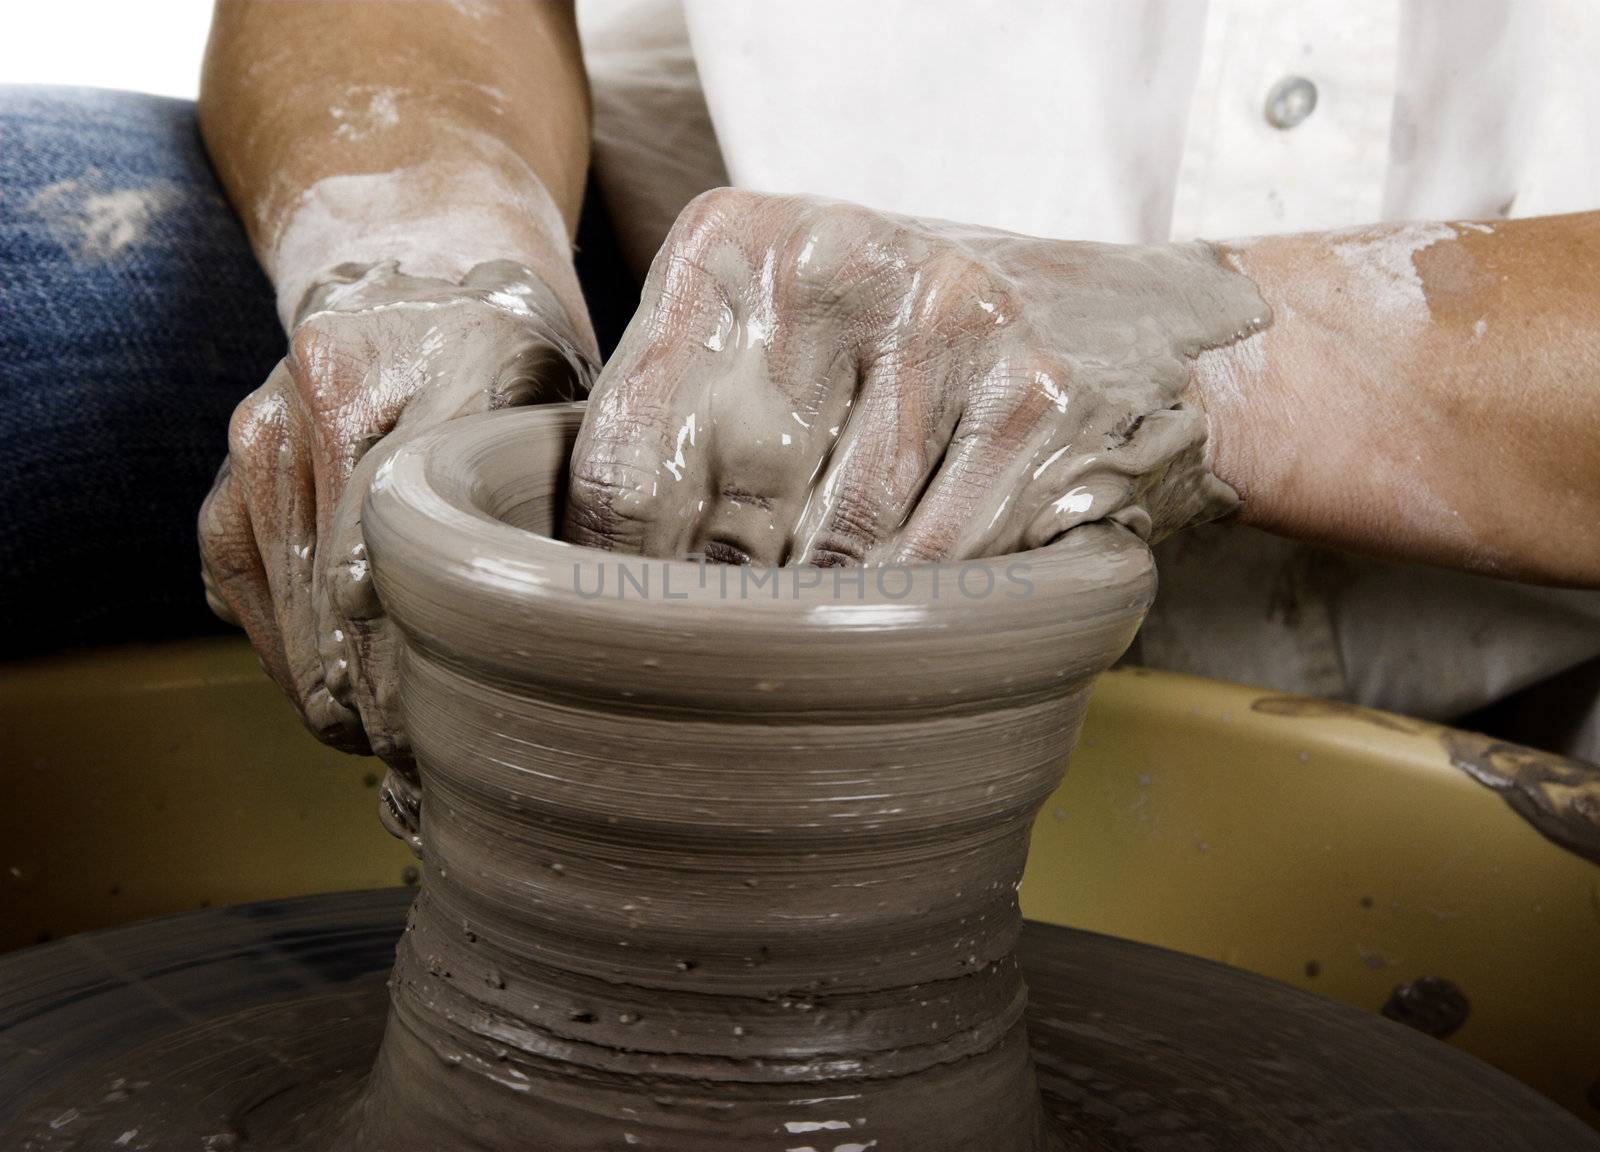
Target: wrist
{"x":1237,"y":385}
{"x":1217,"y":319}
{"x":442,"y":312}
{"x":1184,"y":313}
{"x":436,"y":222}
{"x":1290,"y":409}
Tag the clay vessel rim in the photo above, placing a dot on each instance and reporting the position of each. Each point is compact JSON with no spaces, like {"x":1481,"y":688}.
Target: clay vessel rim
{"x":432,"y":496}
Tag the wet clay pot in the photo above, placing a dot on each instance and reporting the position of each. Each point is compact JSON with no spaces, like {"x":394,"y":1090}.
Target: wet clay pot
{"x":714,"y":857}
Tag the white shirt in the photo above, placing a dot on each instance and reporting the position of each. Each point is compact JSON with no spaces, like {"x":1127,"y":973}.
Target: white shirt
{"x":1117,"y":120}
{"x":1140,"y":121}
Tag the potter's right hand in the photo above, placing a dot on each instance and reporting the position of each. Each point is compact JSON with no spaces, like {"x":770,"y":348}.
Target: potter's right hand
{"x":813,"y":381}
{"x":373,"y":360}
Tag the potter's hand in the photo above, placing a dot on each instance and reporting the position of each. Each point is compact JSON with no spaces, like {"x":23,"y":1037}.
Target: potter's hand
{"x":811,"y":381}
{"x":372,"y":362}
{"x":418,"y":238}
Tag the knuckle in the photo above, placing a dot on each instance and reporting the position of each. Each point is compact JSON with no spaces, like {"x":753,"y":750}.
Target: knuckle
{"x":325,"y":360}
{"x":713,"y":208}
{"x":227,"y":547}
{"x":831,"y":245}
{"x":330,"y":723}
{"x":959,"y":298}
{"x":353,"y":595}
{"x":961,"y":283}
{"x":613,"y":487}
{"x":857,"y":219}
{"x":252,"y":422}
{"x":228,"y":560}
{"x":854,"y":523}
{"x":315,"y":336}
{"x":721,"y":214}
{"x":608,"y":506}
{"x":337,"y":674}
{"x":211,"y":524}
{"x":834,"y":550}
{"x":702,"y":218}
{"x":390,"y":744}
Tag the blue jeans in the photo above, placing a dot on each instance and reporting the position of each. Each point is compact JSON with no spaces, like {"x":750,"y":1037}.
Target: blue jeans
{"x":133,"y":317}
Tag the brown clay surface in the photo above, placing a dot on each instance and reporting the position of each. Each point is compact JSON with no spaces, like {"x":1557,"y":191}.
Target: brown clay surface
{"x":713,"y":857}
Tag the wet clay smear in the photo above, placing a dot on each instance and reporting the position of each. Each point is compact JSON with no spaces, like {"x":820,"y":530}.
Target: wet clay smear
{"x":1560,"y":798}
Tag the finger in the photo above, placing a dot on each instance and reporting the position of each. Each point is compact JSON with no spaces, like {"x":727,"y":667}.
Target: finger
{"x":891,"y":445}
{"x":351,"y":384}
{"x":234,"y":574}
{"x":641,"y":473}
{"x":1122,"y":483}
{"x":470,"y":360}
{"x":773,"y":421}
{"x":920,"y":337}
{"x":279,"y":493}
{"x":488,"y":362}
{"x":814,"y":323}
{"x":214,"y":601}
{"x":357,"y":639}
{"x":767,"y":451}
{"x":969,"y":508}
{"x":727,"y":393}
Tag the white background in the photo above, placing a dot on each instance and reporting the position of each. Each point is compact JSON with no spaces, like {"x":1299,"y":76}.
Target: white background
{"x":143,"y":45}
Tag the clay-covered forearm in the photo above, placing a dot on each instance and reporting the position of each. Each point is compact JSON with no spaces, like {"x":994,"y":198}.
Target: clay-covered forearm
{"x":1425,"y":391}
{"x":440,"y":136}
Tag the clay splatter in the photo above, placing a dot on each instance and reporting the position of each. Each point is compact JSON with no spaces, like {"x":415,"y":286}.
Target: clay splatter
{"x":100,"y":223}
{"x":1314,"y":707}
{"x":1559,"y":797}
{"x":1430,"y":1004}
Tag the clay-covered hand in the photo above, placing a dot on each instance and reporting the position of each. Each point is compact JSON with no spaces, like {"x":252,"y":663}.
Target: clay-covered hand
{"x":809,"y":381}
{"x":374,"y":359}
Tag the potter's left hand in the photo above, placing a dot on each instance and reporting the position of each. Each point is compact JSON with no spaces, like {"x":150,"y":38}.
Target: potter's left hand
{"x":411,"y":186}
{"x":374,"y":361}
{"x":811,"y":381}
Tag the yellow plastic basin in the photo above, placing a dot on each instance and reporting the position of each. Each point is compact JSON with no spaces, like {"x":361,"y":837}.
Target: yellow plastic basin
{"x":1330,"y":847}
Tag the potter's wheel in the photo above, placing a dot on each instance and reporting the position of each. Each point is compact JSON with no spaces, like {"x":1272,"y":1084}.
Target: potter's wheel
{"x":225,"y":1025}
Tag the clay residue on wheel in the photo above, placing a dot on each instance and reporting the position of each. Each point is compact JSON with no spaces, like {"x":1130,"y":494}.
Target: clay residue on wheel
{"x":1315,"y":707}
{"x":1430,"y":1004}
{"x":1559,"y":797}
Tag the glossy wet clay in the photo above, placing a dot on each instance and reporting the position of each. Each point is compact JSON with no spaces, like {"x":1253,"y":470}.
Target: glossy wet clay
{"x":713,"y":856}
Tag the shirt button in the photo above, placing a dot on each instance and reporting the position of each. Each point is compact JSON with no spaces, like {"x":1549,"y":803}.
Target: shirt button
{"x":1291,"y":100}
